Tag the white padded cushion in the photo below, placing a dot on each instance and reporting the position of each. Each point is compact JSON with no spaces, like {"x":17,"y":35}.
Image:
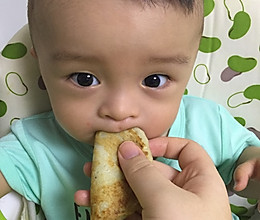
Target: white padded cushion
{"x":21,"y":90}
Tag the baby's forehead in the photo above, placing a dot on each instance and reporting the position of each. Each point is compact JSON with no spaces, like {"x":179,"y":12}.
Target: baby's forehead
{"x":38,"y":9}
{"x":42,"y":14}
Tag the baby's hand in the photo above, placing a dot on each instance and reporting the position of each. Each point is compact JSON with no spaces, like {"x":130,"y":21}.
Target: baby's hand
{"x":247,"y":174}
{"x":249,"y":170}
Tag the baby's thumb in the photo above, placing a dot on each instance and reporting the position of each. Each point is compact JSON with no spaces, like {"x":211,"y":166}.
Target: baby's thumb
{"x":142,"y":176}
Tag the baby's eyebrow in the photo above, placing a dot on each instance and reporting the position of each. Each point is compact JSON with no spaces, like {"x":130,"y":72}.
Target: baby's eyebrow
{"x":68,"y":56}
{"x":177,"y":59}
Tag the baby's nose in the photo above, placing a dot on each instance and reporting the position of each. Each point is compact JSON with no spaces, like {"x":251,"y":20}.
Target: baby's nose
{"x":120,"y":107}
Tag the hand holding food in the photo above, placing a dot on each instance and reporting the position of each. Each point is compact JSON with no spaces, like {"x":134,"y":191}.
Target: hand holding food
{"x":164,"y":192}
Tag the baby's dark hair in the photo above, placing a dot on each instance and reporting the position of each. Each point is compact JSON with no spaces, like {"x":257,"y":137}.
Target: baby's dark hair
{"x":186,"y":5}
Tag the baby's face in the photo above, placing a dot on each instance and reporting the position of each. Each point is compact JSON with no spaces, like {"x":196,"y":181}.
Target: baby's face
{"x":112,"y":65}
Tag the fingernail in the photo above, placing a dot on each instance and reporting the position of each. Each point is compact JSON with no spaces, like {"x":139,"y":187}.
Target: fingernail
{"x":128,"y":150}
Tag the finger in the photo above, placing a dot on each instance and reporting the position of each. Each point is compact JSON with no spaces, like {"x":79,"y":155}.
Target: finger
{"x":199,"y":174}
{"x":242,"y":175}
{"x":82,"y":198}
{"x":140,"y":172}
{"x":186,"y":151}
{"x":167,"y":171}
{"x":87,"y":169}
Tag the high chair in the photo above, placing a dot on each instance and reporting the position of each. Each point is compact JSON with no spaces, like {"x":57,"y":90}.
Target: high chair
{"x":227,"y":71}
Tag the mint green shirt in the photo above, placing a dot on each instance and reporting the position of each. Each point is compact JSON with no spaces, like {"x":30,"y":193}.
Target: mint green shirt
{"x":43,"y":163}
{"x":213,"y":127}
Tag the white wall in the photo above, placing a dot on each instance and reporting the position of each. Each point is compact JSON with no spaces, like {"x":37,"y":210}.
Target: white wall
{"x":12,"y":18}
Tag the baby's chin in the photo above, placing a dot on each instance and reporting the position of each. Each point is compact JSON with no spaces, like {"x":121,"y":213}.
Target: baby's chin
{"x":83,"y":138}
{"x":89,"y":141}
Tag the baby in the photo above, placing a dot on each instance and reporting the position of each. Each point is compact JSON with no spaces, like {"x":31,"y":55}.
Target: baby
{"x":110,"y":66}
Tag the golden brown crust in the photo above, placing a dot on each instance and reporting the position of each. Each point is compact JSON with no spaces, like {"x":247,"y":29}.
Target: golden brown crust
{"x":111,"y":196}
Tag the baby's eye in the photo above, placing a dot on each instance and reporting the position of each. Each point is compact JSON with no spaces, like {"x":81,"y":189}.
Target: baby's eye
{"x":84,"y":79}
{"x":155,"y":80}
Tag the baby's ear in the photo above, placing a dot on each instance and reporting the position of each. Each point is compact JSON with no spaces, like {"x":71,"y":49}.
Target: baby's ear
{"x":33,"y":52}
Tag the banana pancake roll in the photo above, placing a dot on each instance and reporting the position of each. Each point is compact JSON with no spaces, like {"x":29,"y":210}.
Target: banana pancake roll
{"x":110,"y":195}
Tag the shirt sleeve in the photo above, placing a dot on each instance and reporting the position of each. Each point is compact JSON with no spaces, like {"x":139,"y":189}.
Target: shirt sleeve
{"x":19,"y":168}
{"x":235,"y":138}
